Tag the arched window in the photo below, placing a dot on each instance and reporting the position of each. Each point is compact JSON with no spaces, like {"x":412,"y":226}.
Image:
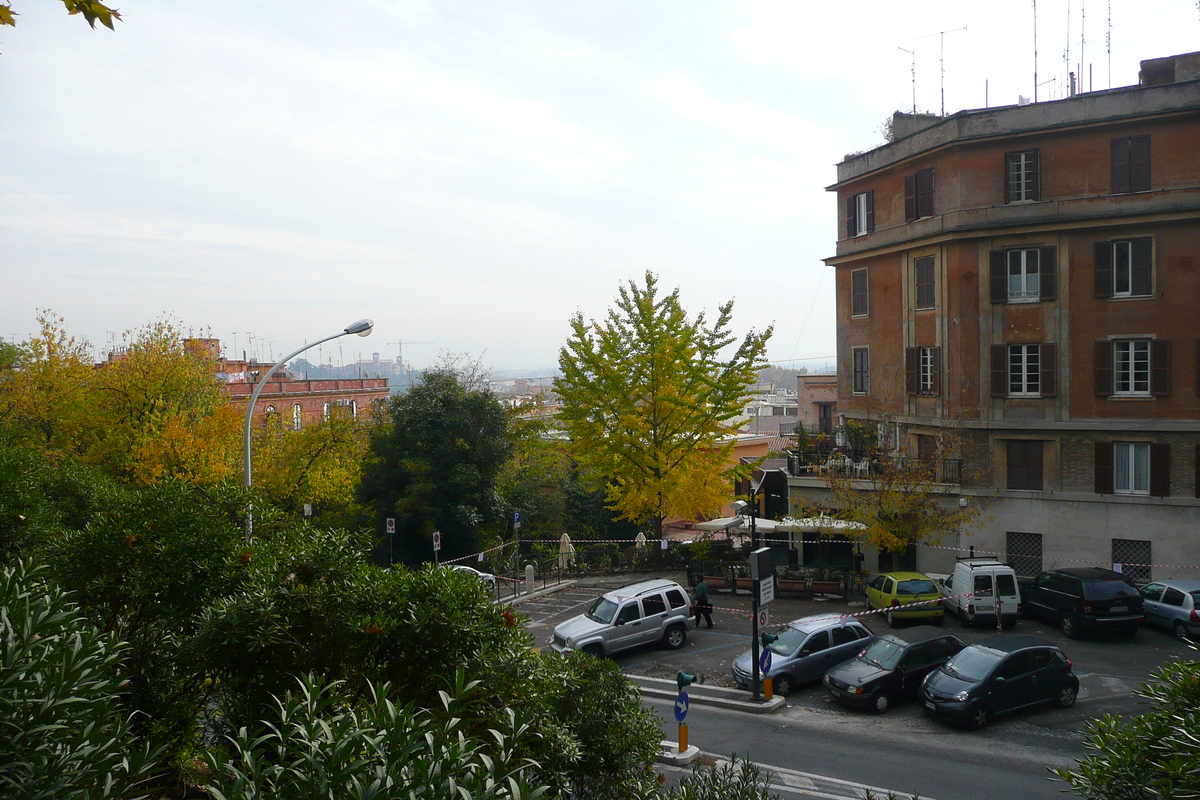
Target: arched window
{"x":353,"y":409}
{"x":297,"y":420}
{"x":325,"y":412}
{"x":270,"y":409}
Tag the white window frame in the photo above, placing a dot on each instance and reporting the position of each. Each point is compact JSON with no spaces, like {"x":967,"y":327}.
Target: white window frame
{"x":1131,"y":367}
{"x":297,"y":417}
{"x":925,"y":370}
{"x":1131,"y":468}
{"x":1019,"y":172}
{"x":860,"y":214}
{"x":1122,"y":246}
{"x":1028,"y":277}
{"x":1024,"y":370}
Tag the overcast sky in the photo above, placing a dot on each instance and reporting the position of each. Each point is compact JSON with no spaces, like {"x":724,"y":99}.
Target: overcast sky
{"x":472,"y":173}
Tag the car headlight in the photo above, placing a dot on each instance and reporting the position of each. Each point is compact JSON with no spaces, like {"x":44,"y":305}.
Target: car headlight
{"x":962,"y":697}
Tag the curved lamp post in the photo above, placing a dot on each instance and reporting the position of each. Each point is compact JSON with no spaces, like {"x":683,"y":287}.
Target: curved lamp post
{"x":362,"y":328}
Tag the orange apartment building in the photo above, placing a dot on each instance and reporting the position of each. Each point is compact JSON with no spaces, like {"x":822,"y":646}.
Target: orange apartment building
{"x":1029,"y":278}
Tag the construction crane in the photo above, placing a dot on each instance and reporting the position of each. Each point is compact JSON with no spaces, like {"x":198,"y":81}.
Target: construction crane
{"x":400,"y":361}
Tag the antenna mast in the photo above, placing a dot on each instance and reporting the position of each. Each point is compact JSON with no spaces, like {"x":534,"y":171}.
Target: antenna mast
{"x":1035,"y":75}
{"x":914,"y":79}
{"x":942,"y":58}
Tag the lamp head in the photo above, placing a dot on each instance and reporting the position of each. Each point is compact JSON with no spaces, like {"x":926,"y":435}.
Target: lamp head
{"x":363,"y":327}
{"x":739,"y":506}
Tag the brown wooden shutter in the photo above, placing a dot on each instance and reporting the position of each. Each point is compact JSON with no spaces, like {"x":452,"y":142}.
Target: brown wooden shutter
{"x":1160,"y":470}
{"x":1104,"y":276}
{"x":870,"y":210}
{"x":1197,"y":472}
{"x":1141,"y":266}
{"x":1104,"y":468}
{"x":1104,"y":369}
{"x":1049,"y":363}
{"x":1036,"y":157}
{"x":937,"y":371}
{"x":910,"y":197}
{"x":1047,"y":273}
{"x":1120,"y":166}
{"x":1139,"y":164}
{"x":1160,"y":367}
{"x":999,"y":276}
{"x":911,"y":363}
{"x":1198,"y":377}
{"x":925,"y":206}
{"x":1009,"y":158}
{"x":851,"y":217}
{"x":999,"y":370}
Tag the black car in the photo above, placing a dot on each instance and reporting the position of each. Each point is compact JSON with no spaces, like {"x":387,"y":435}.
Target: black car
{"x":1083,"y":598}
{"x":891,"y":668}
{"x":998,"y":675}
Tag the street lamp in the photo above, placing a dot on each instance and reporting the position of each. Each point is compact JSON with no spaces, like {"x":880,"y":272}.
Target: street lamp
{"x":741,"y":507}
{"x":363,"y":328}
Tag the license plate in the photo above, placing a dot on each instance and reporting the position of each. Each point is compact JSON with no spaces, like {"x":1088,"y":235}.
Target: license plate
{"x":1118,"y":609}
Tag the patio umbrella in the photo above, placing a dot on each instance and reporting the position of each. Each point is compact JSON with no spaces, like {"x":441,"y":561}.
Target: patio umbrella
{"x":640,"y":541}
{"x":566,"y":552}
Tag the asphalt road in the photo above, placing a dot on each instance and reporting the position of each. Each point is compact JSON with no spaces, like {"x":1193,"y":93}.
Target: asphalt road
{"x":902,"y":750}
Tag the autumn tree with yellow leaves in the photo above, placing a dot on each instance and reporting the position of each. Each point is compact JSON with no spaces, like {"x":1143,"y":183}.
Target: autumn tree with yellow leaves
{"x":650,"y":396}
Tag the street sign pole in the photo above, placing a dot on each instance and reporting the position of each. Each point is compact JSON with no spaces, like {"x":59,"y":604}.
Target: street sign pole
{"x":437,"y":545}
{"x":682,"y":679}
{"x":517,"y":549}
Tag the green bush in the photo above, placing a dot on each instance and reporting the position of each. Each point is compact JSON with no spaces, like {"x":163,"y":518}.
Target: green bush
{"x":328,"y":746}
{"x":62,"y":729}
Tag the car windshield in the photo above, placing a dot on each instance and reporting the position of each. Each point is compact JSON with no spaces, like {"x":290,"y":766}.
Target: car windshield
{"x":602,"y":610}
{"x":1108,"y":590}
{"x":883,"y":653}
{"x":1195,"y":596}
{"x":789,"y":639}
{"x":915,"y":586}
{"x":972,"y":664}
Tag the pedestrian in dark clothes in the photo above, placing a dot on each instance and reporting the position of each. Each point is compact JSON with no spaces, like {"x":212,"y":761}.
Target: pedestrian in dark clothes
{"x":701,"y":604}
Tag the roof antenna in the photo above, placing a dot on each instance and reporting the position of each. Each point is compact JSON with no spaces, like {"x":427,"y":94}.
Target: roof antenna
{"x":942,"y":58}
{"x":914,"y":78}
{"x":1035,"y":75}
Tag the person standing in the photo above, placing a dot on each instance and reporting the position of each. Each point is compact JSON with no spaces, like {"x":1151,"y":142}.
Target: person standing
{"x":701,"y":604}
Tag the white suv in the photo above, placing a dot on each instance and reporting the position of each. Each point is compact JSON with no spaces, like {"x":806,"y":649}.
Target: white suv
{"x":644,"y":613}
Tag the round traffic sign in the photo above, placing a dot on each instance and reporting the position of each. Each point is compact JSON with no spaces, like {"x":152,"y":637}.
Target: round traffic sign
{"x":681,"y":706}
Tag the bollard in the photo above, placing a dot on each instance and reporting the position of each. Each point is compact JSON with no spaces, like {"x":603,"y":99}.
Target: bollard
{"x":683,"y":736}
{"x":530,"y":580}
{"x":768,"y":688}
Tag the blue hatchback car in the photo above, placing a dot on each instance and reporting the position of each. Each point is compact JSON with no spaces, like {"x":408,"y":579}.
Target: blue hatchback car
{"x":806,"y":647}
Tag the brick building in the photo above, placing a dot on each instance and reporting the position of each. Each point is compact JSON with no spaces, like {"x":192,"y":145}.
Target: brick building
{"x":297,"y":402}
{"x":1027,"y":277}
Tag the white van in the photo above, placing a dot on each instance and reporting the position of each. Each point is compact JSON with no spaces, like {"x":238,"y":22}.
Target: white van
{"x":985,"y":580}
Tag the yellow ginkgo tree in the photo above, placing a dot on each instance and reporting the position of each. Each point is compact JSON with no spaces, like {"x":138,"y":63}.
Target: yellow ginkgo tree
{"x":649,"y":399}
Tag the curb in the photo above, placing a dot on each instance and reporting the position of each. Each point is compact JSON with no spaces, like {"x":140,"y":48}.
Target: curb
{"x":718,"y":696}
{"x":525,"y":598}
{"x":668,"y":753}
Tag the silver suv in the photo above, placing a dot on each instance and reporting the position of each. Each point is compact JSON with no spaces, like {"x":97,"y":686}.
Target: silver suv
{"x":644,"y":613}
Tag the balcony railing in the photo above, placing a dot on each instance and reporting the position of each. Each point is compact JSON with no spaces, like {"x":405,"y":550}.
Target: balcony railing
{"x":817,"y":464}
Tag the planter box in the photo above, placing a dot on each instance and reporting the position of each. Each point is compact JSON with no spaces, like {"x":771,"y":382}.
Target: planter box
{"x":826,"y":587}
{"x":745,"y":583}
{"x":716,"y":581}
{"x":791,"y":584}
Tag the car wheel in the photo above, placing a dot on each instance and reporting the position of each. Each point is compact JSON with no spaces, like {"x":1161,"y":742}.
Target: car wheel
{"x":1181,"y":632}
{"x":782,"y":685}
{"x":882,"y":702}
{"x":980,"y":718}
{"x":1066,"y":695}
{"x":891,"y":621}
{"x":675,"y":637}
{"x":594,"y":650}
{"x":962,"y":617}
{"x":1069,"y":625}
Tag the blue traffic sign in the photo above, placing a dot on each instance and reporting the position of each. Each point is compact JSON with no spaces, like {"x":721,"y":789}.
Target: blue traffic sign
{"x":516,"y":517}
{"x":681,"y":706}
{"x":764,"y":661}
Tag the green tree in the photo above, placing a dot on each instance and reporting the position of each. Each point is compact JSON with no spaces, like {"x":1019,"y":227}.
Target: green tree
{"x":1153,"y":756}
{"x":649,"y":398}
{"x":435,"y":461}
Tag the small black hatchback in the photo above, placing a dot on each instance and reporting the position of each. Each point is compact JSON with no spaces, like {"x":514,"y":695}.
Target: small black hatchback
{"x":891,"y":668}
{"x":998,"y":675}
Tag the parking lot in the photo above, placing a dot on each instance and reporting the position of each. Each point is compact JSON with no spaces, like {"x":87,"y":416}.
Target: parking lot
{"x":1110,"y":668}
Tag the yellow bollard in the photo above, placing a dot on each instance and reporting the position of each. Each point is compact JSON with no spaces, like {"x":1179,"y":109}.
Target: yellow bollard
{"x":683,"y":742}
{"x":768,"y":688}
